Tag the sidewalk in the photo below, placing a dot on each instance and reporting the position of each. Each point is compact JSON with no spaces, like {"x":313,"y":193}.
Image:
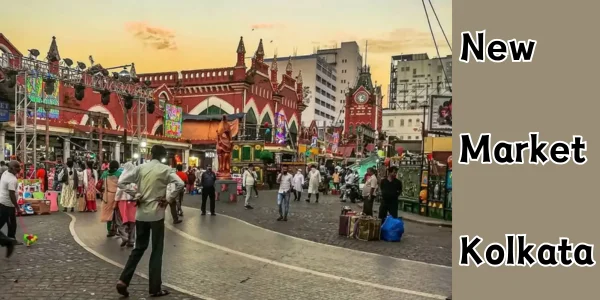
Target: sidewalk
{"x":56,"y":267}
{"x":415,"y":218}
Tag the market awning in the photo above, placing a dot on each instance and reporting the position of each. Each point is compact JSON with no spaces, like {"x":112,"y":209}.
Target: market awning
{"x":188,"y":117}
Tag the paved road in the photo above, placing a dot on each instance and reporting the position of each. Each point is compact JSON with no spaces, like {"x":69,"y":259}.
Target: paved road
{"x":56,"y":267}
{"x":318,"y":222}
{"x":217,"y":257}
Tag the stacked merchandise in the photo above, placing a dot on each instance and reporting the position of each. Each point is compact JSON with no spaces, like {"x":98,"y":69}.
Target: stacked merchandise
{"x":368,"y":228}
{"x":365,"y":228}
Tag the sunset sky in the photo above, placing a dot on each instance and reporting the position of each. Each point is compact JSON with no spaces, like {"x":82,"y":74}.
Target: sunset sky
{"x":187,"y":34}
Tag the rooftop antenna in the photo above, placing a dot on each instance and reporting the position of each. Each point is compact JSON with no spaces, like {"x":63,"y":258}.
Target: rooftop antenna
{"x":366,"y":52}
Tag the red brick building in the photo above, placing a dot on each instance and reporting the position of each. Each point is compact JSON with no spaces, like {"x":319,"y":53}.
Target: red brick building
{"x":229,"y":90}
{"x":363,"y":105}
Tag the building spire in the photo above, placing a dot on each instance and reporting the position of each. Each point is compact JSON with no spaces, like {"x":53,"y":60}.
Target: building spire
{"x":289,"y":69}
{"x":274,"y":63}
{"x":241,"y":53}
{"x":53,"y":55}
{"x":241,"y":48}
{"x":260,"y":51}
{"x":299,"y":78}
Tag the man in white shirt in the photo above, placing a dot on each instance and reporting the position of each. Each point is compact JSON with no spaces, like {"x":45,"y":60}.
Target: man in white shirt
{"x":284,"y":179}
{"x":248,"y":182}
{"x":8,"y":206}
{"x":368,"y":192}
{"x":152,"y":179}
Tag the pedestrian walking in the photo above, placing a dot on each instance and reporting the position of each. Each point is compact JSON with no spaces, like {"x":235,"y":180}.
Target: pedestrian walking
{"x":336,"y":180}
{"x":126,"y":208}
{"x":207,"y":182}
{"x":70,"y":182}
{"x":248,"y":182}
{"x":191,"y":182}
{"x":284,"y":179}
{"x":90,"y":178}
{"x":368,"y":192}
{"x":298,"y":182}
{"x":251,"y":169}
{"x":110,"y":179}
{"x":152,"y":179}
{"x":8,"y":200}
{"x":314,"y":179}
{"x":176,"y":210}
{"x":391,"y":189}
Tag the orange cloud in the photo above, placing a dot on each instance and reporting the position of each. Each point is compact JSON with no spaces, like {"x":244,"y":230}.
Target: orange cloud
{"x":155,"y":37}
{"x":405,"y":40}
{"x":265,"y":26}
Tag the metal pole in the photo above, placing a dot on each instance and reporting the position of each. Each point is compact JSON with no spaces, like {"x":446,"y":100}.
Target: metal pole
{"x":124,"y":134}
{"x":423,"y":135}
{"x":100,"y":150}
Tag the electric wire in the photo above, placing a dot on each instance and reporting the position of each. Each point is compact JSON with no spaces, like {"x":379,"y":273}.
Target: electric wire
{"x":440,"y":23}
{"x":437,"y":50}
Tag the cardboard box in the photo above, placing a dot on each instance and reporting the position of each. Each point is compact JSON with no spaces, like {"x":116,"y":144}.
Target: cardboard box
{"x":40,"y":206}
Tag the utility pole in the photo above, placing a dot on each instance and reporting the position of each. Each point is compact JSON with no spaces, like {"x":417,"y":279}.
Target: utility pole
{"x":423,"y":135}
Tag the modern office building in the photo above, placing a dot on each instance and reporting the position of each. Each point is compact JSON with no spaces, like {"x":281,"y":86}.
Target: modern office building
{"x":348,"y":62}
{"x":321,"y":79}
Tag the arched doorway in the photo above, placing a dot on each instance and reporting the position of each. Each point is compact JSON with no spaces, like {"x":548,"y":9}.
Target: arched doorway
{"x":251,"y":125}
{"x":294,"y":132}
{"x":159,"y":130}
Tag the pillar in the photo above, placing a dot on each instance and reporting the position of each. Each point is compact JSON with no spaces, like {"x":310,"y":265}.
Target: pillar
{"x":117,"y":152}
{"x":2,"y":143}
{"x":186,"y":158}
{"x":66,"y":149}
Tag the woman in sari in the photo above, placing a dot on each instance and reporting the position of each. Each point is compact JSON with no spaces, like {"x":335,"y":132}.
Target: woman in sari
{"x":90,"y":176}
{"x":125,"y":215}
{"x":109,"y":179}
{"x":70,"y":181}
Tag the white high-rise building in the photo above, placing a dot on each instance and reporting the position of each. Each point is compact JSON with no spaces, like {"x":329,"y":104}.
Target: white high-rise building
{"x":414,"y":77}
{"x":348,"y":61}
{"x":321,"y":78}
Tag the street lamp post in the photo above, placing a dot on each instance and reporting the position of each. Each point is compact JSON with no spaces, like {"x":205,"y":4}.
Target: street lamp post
{"x":423,"y":106}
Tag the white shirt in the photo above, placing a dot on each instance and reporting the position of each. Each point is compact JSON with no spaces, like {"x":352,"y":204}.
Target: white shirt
{"x":350,"y":178}
{"x":370,"y":184}
{"x":249,"y":178}
{"x":285,"y":182}
{"x":7,"y":183}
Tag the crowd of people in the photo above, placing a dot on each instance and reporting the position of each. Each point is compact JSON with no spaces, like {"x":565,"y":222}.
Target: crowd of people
{"x":134,"y":199}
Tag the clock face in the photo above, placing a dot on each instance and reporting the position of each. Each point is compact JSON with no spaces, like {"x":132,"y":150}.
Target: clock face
{"x":361,"y":98}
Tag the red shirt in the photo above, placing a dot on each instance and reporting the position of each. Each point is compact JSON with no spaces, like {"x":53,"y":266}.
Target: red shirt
{"x":183,"y":176}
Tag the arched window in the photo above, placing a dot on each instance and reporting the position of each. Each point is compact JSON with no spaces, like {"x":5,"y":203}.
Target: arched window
{"x":3,"y":58}
{"x":409,"y":122}
{"x":350,"y":129}
{"x":391,"y":123}
{"x":162,"y":100}
{"x":251,"y":125}
{"x":402,"y":122}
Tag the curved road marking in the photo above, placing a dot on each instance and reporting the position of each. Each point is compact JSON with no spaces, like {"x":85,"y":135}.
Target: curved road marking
{"x":300,"y":269}
{"x":327,"y":245}
{"x":116,"y":264}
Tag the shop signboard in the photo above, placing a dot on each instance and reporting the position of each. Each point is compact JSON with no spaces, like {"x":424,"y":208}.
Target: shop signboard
{"x":173,"y":121}
{"x":4,"y":111}
{"x":441,"y":113}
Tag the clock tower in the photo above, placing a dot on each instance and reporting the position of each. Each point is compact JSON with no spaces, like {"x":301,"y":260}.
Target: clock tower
{"x":363,"y":104}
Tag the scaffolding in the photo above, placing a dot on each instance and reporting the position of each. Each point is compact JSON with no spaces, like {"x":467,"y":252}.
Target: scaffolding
{"x":27,"y":111}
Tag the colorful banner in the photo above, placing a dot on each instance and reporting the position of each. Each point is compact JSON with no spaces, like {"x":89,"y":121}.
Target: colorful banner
{"x":173,"y":121}
{"x":34,"y":88}
{"x":280,"y":128}
{"x":314,"y":142}
{"x":335,"y":142}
